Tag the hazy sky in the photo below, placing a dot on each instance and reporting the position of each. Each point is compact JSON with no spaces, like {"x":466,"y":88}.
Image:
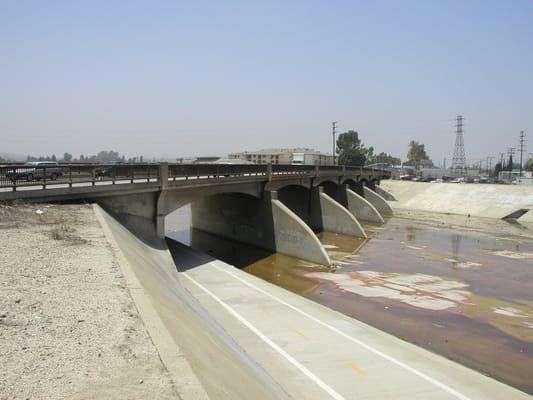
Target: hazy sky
{"x":207,"y":78}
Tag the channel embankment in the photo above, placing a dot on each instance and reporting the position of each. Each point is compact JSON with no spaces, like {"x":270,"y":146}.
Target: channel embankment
{"x":480,"y":200}
{"x":69,"y":328}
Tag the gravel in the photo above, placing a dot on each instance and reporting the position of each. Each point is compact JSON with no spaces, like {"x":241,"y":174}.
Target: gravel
{"x":68,"y":326}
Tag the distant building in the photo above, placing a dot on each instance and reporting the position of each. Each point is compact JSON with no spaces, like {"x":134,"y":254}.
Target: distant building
{"x":206,"y":159}
{"x":299,"y":156}
{"x":509,"y":176}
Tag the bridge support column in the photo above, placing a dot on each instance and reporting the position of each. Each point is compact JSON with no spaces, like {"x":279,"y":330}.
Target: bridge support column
{"x":361,"y":208}
{"x":358,"y":188}
{"x":377,"y":201}
{"x":161,"y":204}
{"x":293,"y":236}
{"x":328,"y":215}
{"x":383,"y":193}
{"x":266,"y":223}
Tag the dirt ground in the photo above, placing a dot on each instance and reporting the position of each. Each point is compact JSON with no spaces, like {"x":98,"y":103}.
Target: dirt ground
{"x":68,"y":326}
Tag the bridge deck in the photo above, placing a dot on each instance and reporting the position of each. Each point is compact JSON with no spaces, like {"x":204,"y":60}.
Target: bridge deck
{"x":81,"y":181}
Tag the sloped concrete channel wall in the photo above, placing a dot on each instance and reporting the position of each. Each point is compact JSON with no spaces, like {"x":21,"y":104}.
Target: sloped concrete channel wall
{"x":480,"y":200}
{"x":234,"y":375}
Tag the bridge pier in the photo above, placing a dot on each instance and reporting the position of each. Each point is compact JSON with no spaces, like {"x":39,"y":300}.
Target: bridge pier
{"x":383,"y":193}
{"x":377,"y":201}
{"x":161,"y":203}
{"x":360,"y":207}
{"x":266,"y":223}
{"x":329,"y":215}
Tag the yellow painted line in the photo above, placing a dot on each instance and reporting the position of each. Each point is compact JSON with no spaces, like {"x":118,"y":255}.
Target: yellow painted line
{"x":354,"y":367}
{"x":302,"y":335}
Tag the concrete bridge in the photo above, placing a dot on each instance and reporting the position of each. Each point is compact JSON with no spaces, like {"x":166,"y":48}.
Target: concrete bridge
{"x":276,"y":207}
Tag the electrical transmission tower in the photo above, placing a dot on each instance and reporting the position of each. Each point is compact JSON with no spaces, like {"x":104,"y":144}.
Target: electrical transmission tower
{"x":459,"y":159}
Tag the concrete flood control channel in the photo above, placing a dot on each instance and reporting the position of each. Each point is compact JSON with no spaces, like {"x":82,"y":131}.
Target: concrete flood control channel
{"x":464,"y":292}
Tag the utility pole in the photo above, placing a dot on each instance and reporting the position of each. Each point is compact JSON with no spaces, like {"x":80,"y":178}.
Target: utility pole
{"x":490,"y":158}
{"x":510,"y":152}
{"x":334,"y":128}
{"x":522,"y":136}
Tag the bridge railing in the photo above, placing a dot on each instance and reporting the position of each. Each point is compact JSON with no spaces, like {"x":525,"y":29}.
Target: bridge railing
{"x":23,"y":176}
{"x":280,"y":169}
{"x":202,"y":171}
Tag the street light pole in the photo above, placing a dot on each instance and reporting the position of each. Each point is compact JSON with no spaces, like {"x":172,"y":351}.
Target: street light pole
{"x":334,"y":126}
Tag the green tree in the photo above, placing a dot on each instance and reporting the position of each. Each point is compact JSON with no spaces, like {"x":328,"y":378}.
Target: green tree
{"x":350,"y":149}
{"x":67,"y":157}
{"x":416,"y":153}
{"x":353,"y":157}
{"x":107,"y":156}
{"x":384,"y":158}
{"x":497,"y":168}
{"x":348,"y":141}
{"x":529,"y":165}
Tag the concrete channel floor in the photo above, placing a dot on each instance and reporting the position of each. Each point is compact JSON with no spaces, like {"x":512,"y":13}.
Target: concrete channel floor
{"x":316,"y":353}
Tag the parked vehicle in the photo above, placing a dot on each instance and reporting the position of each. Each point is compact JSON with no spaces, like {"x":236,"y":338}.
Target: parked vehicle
{"x":36,"y":170}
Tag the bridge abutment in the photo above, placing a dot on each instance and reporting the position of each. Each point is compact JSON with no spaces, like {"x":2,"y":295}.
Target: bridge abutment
{"x":138,"y":213}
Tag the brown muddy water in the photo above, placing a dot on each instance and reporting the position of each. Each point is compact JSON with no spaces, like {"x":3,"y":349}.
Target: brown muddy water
{"x":462,"y":288}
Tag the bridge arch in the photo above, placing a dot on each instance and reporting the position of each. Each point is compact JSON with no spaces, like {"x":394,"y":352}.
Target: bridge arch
{"x":172,"y":200}
{"x":320,"y":180}
{"x":346,"y":178}
{"x":331,"y":188}
{"x":298,"y":199}
{"x":282,"y":183}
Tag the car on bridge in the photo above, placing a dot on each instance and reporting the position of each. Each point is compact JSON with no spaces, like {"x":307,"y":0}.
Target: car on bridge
{"x":35,"y":170}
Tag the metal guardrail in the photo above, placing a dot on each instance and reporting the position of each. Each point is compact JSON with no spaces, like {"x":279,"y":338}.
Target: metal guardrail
{"x":15,"y":176}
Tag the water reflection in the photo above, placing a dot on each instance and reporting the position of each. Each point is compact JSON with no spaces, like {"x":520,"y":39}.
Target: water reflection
{"x":410,"y":233}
